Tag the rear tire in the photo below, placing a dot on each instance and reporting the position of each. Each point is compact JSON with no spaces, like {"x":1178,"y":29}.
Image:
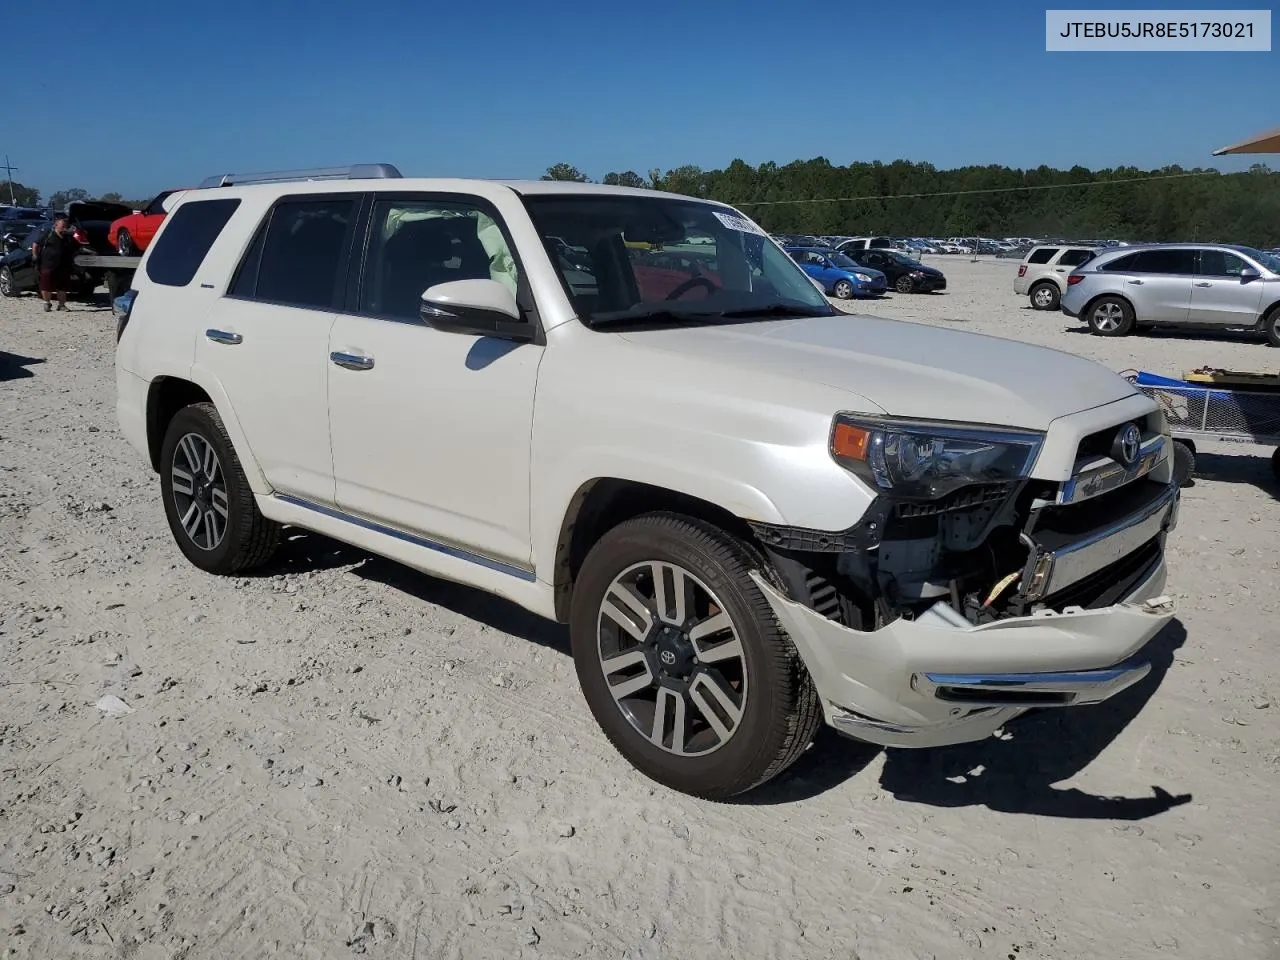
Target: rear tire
{"x":1275,"y":464}
{"x":212,"y":513}
{"x":7,"y":288}
{"x":1045,"y":296}
{"x":125,"y":245}
{"x":843,"y":290}
{"x":1110,"y":317}
{"x":777,"y":709}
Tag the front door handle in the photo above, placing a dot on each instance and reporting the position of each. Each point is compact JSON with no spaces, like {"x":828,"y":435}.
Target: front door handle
{"x":1204,"y":283}
{"x":224,"y":336}
{"x":1136,"y":283}
{"x":351,"y":361}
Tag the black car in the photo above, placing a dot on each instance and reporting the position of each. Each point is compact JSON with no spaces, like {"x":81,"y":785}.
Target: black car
{"x":905,"y":274}
{"x":18,"y":272}
{"x":16,"y":223}
{"x":92,"y":220}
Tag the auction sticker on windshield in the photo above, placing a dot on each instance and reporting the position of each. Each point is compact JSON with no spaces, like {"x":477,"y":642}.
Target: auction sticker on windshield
{"x":738,"y":223}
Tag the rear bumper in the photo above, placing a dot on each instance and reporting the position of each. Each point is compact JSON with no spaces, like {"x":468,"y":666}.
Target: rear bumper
{"x":939,"y":680}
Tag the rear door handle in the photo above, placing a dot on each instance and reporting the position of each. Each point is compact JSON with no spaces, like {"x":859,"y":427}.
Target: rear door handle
{"x":1204,"y":283}
{"x":224,"y":336}
{"x":351,"y":361}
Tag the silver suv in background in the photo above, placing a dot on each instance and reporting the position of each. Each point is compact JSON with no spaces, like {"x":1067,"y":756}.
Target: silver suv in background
{"x":1206,"y":285}
{"x":1042,"y":275}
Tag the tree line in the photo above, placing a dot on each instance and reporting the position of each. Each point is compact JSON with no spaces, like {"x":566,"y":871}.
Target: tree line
{"x":905,"y":198}
{"x":25,"y":196}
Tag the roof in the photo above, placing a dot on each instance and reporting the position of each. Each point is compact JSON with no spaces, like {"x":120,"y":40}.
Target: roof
{"x":1268,"y":142}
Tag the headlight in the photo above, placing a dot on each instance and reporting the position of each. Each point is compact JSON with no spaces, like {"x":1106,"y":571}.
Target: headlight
{"x":914,"y":460}
{"x":863,"y":277}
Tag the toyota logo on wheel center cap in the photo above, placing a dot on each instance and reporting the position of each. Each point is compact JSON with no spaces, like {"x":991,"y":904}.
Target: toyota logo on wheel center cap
{"x":667,"y":657}
{"x":1128,"y":444}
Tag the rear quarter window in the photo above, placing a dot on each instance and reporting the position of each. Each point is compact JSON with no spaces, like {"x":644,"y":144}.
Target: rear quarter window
{"x":1043,"y":255}
{"x":1075,"y":258}
{"x":186,"y":238}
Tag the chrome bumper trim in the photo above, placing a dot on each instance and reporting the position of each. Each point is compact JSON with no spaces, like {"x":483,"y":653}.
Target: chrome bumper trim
{"x":1049,"y":571}
{"x":1098,"y":476}
{"x":1066,"y":689}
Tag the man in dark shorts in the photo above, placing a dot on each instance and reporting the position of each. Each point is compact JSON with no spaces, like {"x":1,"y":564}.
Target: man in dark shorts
{"x":55,"y":255}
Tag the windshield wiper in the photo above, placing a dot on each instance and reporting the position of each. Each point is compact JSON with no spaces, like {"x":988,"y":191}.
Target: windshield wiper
{"x":668,"y":315}
{"x":778,"y":310}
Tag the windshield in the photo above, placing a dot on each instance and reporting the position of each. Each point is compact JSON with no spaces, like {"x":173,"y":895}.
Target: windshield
{"x":635,"y":257}
{"x":1270,"y":261}
{"x":903,"y":258}
{"x":840,"y":260}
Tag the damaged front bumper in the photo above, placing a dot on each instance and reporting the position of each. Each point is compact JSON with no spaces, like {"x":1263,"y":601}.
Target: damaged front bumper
{"x":939,"y":679}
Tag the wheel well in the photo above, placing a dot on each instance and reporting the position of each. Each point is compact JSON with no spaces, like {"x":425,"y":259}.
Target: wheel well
{"x":1043,"y":281}
{"x":602,"y":504}
{"x":1115,"y":296}
{"x":166,"y":397}
{"x":1267,"y":312}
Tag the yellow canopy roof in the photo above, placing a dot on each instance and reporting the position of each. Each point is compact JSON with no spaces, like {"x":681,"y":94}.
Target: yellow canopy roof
{"x":1268,"y":142}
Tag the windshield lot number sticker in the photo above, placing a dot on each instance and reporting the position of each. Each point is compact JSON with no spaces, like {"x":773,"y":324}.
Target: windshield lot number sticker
{"x":737,"y":223}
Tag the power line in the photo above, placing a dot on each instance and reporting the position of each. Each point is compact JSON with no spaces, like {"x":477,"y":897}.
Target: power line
{"x":959,"y":193}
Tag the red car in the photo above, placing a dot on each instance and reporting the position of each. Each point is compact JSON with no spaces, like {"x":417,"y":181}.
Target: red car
{"x":130,"y":235}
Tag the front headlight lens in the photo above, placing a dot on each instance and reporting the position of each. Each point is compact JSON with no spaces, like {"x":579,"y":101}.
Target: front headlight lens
{"x":913,"y":460}
{"x":863,"y":277}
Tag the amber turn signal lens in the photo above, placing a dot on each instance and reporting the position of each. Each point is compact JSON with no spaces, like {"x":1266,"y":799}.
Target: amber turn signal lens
{"x":849,"y":442}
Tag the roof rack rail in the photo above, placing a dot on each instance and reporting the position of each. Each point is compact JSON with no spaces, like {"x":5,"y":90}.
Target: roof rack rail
{"x":355,"y":171}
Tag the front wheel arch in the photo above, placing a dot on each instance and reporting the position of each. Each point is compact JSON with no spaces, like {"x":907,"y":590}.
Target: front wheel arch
{"x":603,"y":503}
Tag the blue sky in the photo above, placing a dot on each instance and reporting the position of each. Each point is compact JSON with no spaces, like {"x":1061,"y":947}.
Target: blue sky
{"x":159,"y":93}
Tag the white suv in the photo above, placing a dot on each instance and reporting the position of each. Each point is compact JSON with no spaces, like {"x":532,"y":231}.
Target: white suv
{"x":755,"y":512}
{"x":1042,"y":275}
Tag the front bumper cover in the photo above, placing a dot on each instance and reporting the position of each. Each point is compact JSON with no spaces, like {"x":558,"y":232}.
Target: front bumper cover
{"x":938,"y":679}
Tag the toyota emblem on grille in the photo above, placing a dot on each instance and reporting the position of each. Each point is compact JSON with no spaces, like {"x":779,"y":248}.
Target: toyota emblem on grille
{"x":1127,"y":445}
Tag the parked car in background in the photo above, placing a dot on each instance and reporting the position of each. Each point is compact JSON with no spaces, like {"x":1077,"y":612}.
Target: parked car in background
{"x":904,"y":273}
{"x":838,"y":275}
{"x":1191,"y":285}
{"x":18,"y":273}
{"x":132,"y":231}
{"x":865,"y":243}
{"x":92,"y":221}
{"x":1042,"y":275}
{"x":14,"y":233}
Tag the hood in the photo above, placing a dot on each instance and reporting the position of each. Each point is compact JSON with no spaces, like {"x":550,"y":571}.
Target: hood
{"x":907,"y":369}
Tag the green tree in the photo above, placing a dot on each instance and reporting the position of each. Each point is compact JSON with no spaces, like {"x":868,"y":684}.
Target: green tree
{"x":628,"y":178}
{"x":111,"y":198}
{"x":63,"y":197}
{"x":565,"y":171}
{"x":22,"y":195}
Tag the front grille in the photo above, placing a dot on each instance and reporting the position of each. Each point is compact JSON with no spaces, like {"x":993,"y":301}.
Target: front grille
{"x":1069,"y":521}
{"x":1110,"y":584}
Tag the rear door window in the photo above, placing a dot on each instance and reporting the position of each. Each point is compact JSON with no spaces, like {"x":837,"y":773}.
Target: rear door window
{"x":186,"y":238}
{"x":1166,"y":262}
{"x":1043,"y":255}
{"x":299,"y":257}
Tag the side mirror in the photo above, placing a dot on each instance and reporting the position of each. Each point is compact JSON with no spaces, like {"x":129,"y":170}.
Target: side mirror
{"x":1248,"y":273}
{"x":483,"y":308}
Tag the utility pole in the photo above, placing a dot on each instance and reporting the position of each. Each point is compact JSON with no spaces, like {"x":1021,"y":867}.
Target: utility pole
{"x":9,"y":169}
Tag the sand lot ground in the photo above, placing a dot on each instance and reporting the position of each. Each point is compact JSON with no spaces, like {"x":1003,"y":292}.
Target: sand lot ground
{"x":341,"y":757}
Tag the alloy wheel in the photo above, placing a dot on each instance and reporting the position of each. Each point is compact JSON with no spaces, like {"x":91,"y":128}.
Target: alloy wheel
{"x":672,"y":659}
{"x":1043,"y":297}
{"x":199,"y":491}
{"x":6,"y":283}
{"x":1107,"y":317}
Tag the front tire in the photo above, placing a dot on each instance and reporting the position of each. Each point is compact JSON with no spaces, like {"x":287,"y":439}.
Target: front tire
{"x":125,"y":245}
{"x":682,"y":661}
{"x":1110,"y":317}
{"x":905,"y":284}
{"x":843,"y":290}
{"x":7,"y":288}
{"x":207,"y":498}
{"x":1045,"y":296}
{"x":1271,"y":327}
